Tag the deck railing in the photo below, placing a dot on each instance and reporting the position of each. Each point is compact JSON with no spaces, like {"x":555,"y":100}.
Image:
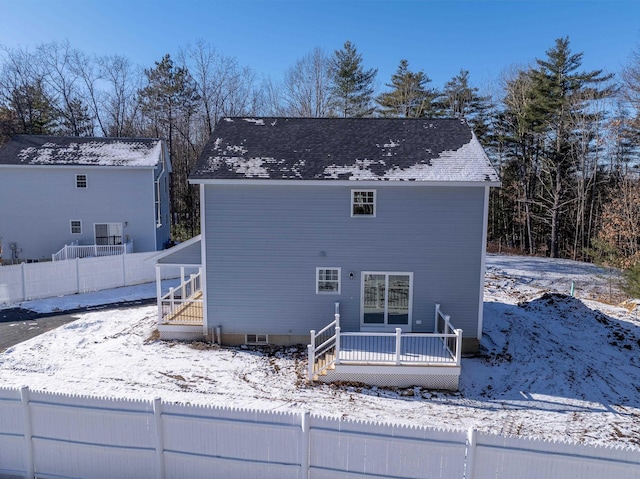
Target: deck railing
{"x":452,"y":338}
{"x":73,"y":251}
{"x":323,"y":344}
{"x":331,"y":346}
{"x":184,"y":303}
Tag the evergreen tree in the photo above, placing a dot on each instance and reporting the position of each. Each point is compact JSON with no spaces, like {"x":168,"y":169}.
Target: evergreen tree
{"x":562,"y":94}
{"x":33,"y":109}
{"x":351,"y":86}
{"x":169,"y":102}
{"x":409,"y":97}
{"x":460,"y":100}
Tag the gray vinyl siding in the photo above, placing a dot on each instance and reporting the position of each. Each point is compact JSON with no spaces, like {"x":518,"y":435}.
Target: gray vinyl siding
{"x":190,"y":254}
{"x":263,"y":244}
{"x":38,"y":203}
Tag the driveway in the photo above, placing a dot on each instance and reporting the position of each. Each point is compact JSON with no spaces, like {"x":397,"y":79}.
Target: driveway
{"x":18,"y":325}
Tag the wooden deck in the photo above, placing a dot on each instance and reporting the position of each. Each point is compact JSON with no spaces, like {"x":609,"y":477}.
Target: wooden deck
{"x":184,"y":312}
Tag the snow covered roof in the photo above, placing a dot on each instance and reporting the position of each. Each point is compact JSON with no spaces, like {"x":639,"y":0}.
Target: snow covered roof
{"x":81,"y":151}
{"x":357,"y":149}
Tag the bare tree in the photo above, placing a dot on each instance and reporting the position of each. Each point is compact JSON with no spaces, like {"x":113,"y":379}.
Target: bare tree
{"x":117,"y":100}
{"x":306,"y":87}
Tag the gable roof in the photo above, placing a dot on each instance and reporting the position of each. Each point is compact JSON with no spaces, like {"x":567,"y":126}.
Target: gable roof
{"x":81,"y":151}
{"x":356,"y":149}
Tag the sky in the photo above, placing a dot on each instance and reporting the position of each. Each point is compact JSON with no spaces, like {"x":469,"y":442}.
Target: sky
{"x":436,"y":36}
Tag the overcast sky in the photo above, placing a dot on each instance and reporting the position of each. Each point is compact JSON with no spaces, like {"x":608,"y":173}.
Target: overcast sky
{"x":438,"y":37}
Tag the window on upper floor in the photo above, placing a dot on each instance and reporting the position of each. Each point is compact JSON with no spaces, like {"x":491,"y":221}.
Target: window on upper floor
{"x":327,"y":280}
{"x":363,"y":202}
{"x":81,"y":181}
{"x":76,"y":227}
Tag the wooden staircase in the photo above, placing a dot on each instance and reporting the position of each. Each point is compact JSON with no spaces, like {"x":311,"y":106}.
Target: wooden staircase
{"x":321,"y":364}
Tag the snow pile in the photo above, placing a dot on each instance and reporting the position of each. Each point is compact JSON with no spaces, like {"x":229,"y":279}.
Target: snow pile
{"x":551,"y":366}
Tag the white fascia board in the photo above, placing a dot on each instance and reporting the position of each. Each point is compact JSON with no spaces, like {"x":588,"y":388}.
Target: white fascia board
{"x":349,"y":183}
{"x":174,"y":249}
{"x":76,"y":166}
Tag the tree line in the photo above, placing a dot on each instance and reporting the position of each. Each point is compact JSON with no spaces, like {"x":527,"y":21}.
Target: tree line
{"x":564,"y":140}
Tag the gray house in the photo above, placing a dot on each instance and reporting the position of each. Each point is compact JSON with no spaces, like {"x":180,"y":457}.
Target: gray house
{"x":370,"y":227}
{"x":72,"y":196}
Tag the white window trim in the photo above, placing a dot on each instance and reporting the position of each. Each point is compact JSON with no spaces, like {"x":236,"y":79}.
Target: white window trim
{"x":375,"y":202}
{"x":86,"y":181}
{"x":339,"y":270}
{"x":71,"y":227}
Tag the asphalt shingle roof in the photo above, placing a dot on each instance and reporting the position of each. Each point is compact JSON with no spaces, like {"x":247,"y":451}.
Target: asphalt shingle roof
{"x":343,"y":149}
{"x":80,"y":151}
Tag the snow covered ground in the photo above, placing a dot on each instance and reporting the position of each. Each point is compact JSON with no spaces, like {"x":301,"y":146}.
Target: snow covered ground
{"x":551,"y":366}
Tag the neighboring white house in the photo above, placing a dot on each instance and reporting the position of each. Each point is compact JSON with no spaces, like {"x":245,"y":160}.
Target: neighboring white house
{"x":102,"y":192}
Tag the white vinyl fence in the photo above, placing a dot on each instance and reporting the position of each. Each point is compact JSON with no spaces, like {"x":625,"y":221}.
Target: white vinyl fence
{"x":27,"y":281}
{"x":48,"y":435}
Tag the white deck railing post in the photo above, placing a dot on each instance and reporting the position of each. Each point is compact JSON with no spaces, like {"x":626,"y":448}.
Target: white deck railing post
{"x":398,"y":344}
{"x":171,"y":299}
{"x":435,"y":326}
{"x":458,"y":347}
{"x":159,"y":292}
{"x":337,"y":358}
{"x":182,"y":282}
{"x":311,"y":354}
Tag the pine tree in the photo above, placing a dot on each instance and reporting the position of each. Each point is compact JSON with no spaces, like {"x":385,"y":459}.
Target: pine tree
{"x":169,"y":102}
{"x":409,"y":97}
{"x":34,"y":109}
{"x":460,"y":100}
{"x":561,"y":95}
{"x":352,"y":86}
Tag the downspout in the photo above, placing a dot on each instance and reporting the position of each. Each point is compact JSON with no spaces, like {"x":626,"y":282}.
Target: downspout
{"x":157,"y":182}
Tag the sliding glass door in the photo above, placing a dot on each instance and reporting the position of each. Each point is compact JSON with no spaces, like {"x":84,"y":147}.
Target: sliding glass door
{"x":386,"y":300}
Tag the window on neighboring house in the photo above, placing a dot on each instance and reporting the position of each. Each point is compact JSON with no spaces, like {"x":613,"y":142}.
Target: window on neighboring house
{"x":363,"y":202}
{"x":81,"y":181}
{"x":108,"y":233}
{"x":328,"y":280}
{"x":76,"y":227}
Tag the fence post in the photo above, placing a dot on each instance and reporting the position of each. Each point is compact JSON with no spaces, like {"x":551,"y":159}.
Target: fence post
{"x":337,"y":360}
{"x":398,"y":344}
{"x":78,"y":275}
{"x":157,"y":415}
{"x":305,"y":445}
{"x":311,"y":354}
{"x":336,"y":316}
{"x":24,"y":282}
{"x":172,"y":299}
{"x":28,"y":432}
{"x":124,"y":270}
{"x":435,"y":326}
{"x":471,"y":453}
